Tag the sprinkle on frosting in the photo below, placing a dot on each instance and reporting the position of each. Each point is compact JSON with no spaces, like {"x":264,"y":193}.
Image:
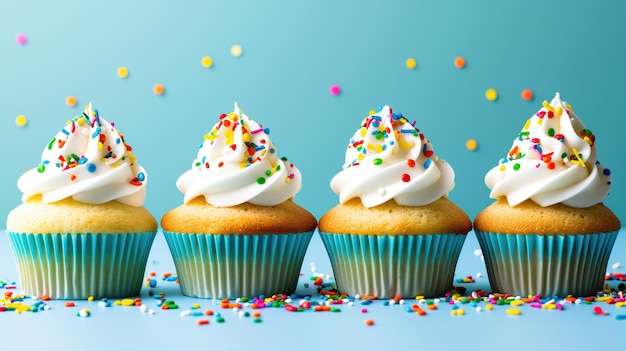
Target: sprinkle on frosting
{"x":389,"y":158}
{"x":237,"y":163}
{"x":554,"y":162}
{"x":89,"y":161}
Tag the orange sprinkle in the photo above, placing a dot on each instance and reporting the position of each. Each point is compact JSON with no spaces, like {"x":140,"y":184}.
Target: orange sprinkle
{"x":527,"y":94}
{"x":202,"y":322}
{"x":153,"y":273}
{"x":208,"y":312}
{"x":256,"y":314}
{"x":167,"y":274}
{"x":158,"y":89}
{"x":432,"y":307}
{"x":69,"y":304}
{"x":44,"y":298}
{"x":459,"y":62}
{"x":70,"y":101}
{"x":369,"y":322}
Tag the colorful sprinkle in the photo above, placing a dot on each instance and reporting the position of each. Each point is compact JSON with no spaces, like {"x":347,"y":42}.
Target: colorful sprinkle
{"x":206,"y":61}
{"x":471,"y":144}
{"x":122,"y":72}
{"x":21,"y":120}
{"x":459,"y":62}
{"x":21,"y":39}
{"x":491,"y":94}
{"x":71,"y":101}
{"x":236,"y":50}
{"x":334,"y":90}
{"x":158,"y":89}
{"x":527,"y":94}
{"x":411,"y":63}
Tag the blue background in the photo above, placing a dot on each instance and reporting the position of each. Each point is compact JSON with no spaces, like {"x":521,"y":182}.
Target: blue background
{"x":293,"y":51}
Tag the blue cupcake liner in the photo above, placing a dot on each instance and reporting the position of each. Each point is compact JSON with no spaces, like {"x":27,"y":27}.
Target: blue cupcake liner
{"x":231,"y":266}
{"x":387,"y":266}
{"x":77,"y":266}
{"x":549,"y":265}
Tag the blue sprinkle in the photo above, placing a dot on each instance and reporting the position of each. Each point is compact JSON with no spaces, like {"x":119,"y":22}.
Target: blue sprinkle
{"x":65,"y":131}
{"x":141,"y":177}
{"x":96,"y":132}
{"x":408,"y":309}
{"x":427,"y":163}
{"x":407,"y":131}
{"x":117,"y":141}
{"x":386,"y":303}
{"x":606,"y":172}
{"x":45,"y":162}
{"x":109,"y":154}
{"x":91,"y":168}
{"x":377,"y":118}
{"x":620,"y":317}
{"x":366,"y":302}
{"x":82,"y":160}
{"x":272,"y":150}
{"x":266,"y":131}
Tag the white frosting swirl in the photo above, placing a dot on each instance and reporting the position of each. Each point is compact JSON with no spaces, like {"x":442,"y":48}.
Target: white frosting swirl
{"x":238,"y":163}
{"x":388,"y":158}
{"x":553,"y":160}
{"x":89,"y":161}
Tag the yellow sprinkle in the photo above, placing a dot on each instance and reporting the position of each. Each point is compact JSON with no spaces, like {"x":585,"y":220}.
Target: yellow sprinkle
{"x":549,"y":306}
{"x":100,"y":146}
{"x":491,"y":94}
{"x":569,"y":107}
{"x":117,"y":303}
{"x":527,"y":125}
{"x":559,"y":111}
{"x":453,"y":313}
{"x":206,"y":61}
{"x":90,"y":298}
{"x":236,"y":50}
{"x":540,"y":121}
{"x":372,"y":112}
{"x":360,"y":157}
{"x":379,"y":148}
{"x":405,"y":144}
{"x":489,"y":307}
{"x":471,"y":144}
{"x":122,"y":72}
{"x":419,"y":297}
{"x":460,"y":312}
{"x":245,"y":137}
{"x":517,"y":303}
{"x":547,"y":106}
{"x":620,"y":304}
{"x":580,"y":161}
{"x":586,"y":138}
{"x":21,"y":120}
{"x":411,"y":63}
{"x":128,"y":302}
{"x":513,"y":311}
{"x":502,"y":168}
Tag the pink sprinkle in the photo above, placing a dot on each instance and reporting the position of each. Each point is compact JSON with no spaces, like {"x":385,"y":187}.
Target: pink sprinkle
{"x":364,"y":310}
{"x":21,"y":39}
{"x":334,"y":90}
{"x":559,"y":306}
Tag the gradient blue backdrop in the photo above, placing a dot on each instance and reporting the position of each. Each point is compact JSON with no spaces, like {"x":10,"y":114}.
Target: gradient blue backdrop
{"x":292,"y":52}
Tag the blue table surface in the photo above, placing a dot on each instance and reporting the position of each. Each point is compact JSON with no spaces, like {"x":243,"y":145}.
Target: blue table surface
{"x":128,"y":328}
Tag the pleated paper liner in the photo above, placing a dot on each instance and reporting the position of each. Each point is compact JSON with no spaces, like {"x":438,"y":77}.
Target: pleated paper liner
{"x":387,"y":266}
{"x":549,"y":265}
{"x":77,"y":266}
{"x":231,"y":266}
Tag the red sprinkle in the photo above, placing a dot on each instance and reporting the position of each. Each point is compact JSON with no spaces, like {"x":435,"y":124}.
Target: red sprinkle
{"x":406,"y":178}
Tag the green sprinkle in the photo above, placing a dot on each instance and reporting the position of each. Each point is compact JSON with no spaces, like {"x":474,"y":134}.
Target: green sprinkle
{"x":51,"y":143}
{"x":268,"y":172}
{"x":378,"y":161}
{"x":551,"y":132}
{"x":516,"y":166}
{"x":284,"y":158}
{"x":277,"y":168}
{"x":379,"y":136}
{"x":335,"y":309}
{"x":219,"y":319}
{"x":260,"y":180}
{"x":564,"y":155}
{"x":41,"y":168}
{"x":257,"y":320}
{"x":197,"y":164}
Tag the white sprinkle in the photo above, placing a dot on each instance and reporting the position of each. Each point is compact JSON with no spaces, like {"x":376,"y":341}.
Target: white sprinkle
{"x":185,"y":313}
{"x":478,"y":309}
{"x":616,"y":265}
{"x":350,"y":304}
{"x":151,"y":311}
{"x":401,"y":302}
{"x":357,"y":297}
{"x":477,"y":252}
{"x":479,"y":275}
{"x":102,"y":304}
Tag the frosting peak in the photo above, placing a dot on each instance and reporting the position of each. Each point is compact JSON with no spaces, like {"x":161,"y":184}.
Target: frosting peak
{"x":388,"y":158}
{"x":237,"y":162}
{"x":552,"y":160}
{"x":89,"y":161}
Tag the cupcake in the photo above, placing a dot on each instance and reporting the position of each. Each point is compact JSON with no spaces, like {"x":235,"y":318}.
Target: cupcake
{"x":81,"y":230}
{"x":548,"y":232}
{"x":238,"y":232}
{"x":394,"y":232}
